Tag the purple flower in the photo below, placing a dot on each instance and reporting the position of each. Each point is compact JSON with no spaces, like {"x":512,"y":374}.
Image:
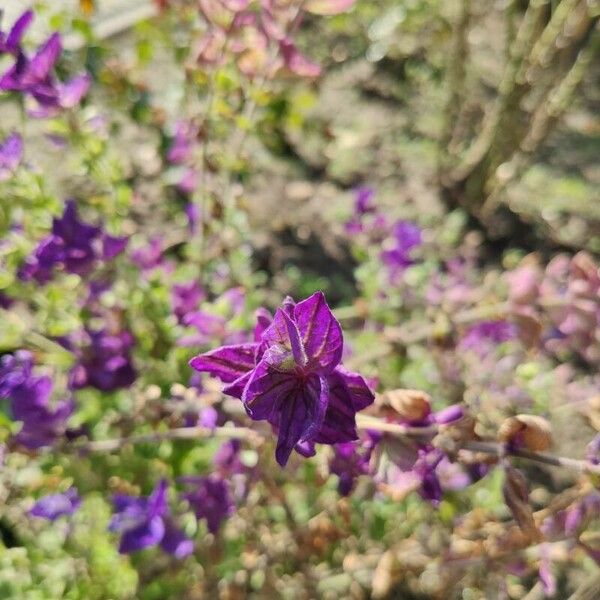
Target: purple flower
{"x":482,"y":336}
{"x":185,"y":298}
{"x":146,"y":521}
{"x":34,"y":76}
{"x":150,"y":256}
{"x":104,"y":360}
{"x":11,"y":43}
{"x":73,"y":244}
{"x":11,"y":154}
{"x":592,"y":451}
{"x":209,"y":498}
{"x":349,"y":461}
{"x":53,"y":506}
{"x":291,"y":376}
{"x":29,"y":398}
{"x":180,"y":150}
{"x":227,"y":459}
{"x":363,"y":203}
{"x":406,"y":237}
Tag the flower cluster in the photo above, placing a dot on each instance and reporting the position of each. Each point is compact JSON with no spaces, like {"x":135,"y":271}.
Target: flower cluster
{"x":147,"y":521}
{"x":291,"y":376}
{"x":29,"y":397}
{"x":103,"y":359}
{"x":259,"y":35}
{"x":561,"y":302}
{"x":32,"y":76}
{"x":75,"y":246}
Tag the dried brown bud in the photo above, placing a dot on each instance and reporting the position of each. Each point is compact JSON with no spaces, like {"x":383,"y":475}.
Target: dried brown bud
{"x":409,"y":405}
{"x":526,"y":431}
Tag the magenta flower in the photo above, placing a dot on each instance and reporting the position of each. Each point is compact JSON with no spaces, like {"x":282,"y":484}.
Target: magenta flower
{"x":53,"y":506}
{"x":11,"y":43}
{"x":146,"y":521}
{"x":34,"y":76}
{"x":11,"y":154}
{"x":291,"y":376}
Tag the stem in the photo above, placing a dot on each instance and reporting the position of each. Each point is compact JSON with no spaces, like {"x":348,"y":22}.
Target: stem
{"x":363,"y":422}
{"x":181,"y":433}
{"x":493,"y":448}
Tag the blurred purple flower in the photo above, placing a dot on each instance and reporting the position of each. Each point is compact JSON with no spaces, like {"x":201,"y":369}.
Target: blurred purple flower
{"x":349,"y":461}
{"x":34,"y":76}
{"x":290,"y":376}
{"x":73,"y":244}
{"x":227,"y":459}
{"x":482,"y":336}
{"x":363,"y":200}
{"x":185,"y":298}
{"x":146,"y":521}
{"x":29,"y":398}
{"x":180,"y":150}
{"x":53,"y":506}
{"x":188,"y":182}
{"x":10,"y":43}
{"x":192,"y":212}
{"x":150,"y":256}
{"x":592,"y":451}
{"x":11,"y":154}
{"x":209,"y":498}
{"x":406,"y":237}
{"x":104,"y":360}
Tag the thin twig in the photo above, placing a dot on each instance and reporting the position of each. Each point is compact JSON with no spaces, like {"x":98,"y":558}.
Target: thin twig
{"x":181,"y":433}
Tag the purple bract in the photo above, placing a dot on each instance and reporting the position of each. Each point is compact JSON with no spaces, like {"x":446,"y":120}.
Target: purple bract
{"x":146,"y":521}
{"x":291,"y":376}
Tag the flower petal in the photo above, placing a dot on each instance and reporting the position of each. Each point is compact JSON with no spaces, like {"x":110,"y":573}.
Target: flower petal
{"x":265,"y":390}
{"x":301,"y":415}
{"x":320,"y":332}
{"x":228,"y":363}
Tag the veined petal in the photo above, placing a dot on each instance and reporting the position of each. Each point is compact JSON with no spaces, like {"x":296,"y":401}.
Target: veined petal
{"x":266,"y":390}
{"x":320,"y":332}
{"x":228,"y":363}
{"x":236,"y":388}
{"x":362,"y":396}
{"x":348,"y":393}
{"x":301,"y":415}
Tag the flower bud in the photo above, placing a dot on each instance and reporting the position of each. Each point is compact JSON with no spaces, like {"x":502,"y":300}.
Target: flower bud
{"x":450,"y":414}
{"x":409,"y":405}
{"x":526,"y":431}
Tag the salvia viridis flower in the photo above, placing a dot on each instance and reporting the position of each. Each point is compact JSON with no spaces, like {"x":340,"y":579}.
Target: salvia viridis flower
{"x":147,"y":521}
{"x":210,"y":499}
{"x":74,"y":245}
{"x":291,"y":376}
{"x":11,"y":153}
{"x":29,"y":395}
{"x":33,"y":77}
{"x":53,"y":506}
{"x":103,"y":359}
